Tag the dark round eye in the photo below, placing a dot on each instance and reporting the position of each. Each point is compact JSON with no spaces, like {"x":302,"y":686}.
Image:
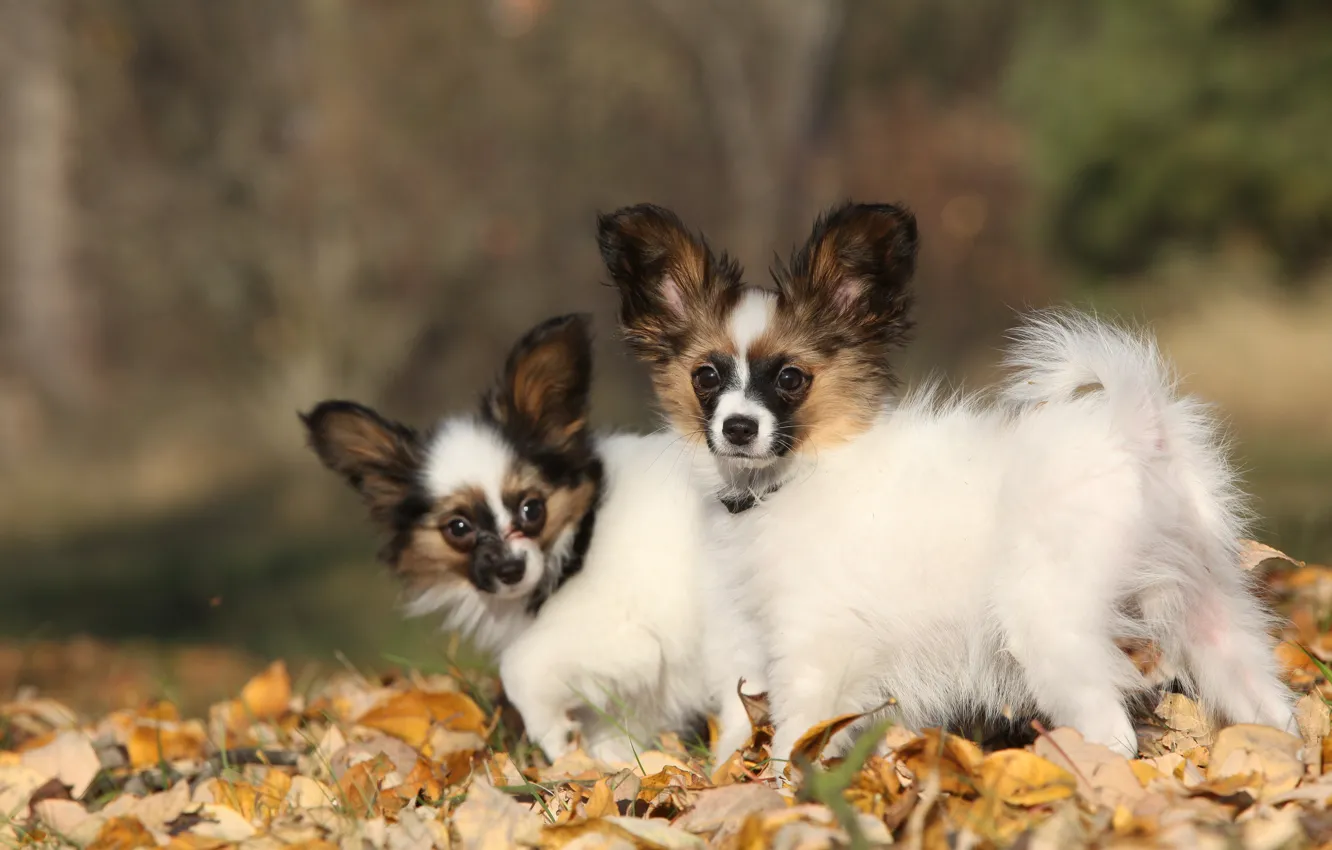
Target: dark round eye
{"x":706,"y":378}
{"x":459,"y":531}
{"x":791,"y":379}
{"x":532,"y":514}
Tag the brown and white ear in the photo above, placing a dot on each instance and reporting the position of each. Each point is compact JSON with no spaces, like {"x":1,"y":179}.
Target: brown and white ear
{"x":664,"y":274}
{"x":541,"y":401}
{"x":378,"y":457}
{"x":857,"y":267}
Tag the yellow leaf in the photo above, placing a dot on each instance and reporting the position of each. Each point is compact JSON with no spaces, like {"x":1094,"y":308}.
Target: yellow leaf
{"x":600,"y":802}
{"x":956,"y":759}
{"x":268,"y":694}
{"x":1021,"y":778}
{"x":1270,"y":754}
{"x":359,"y":786}
{"x":1144,"y":771}
{"x":152,"y":744}
{"x":455,"y":711}
{"x":809,"y":746}
{"x":122,"y":834}
{"x":404,"y":716}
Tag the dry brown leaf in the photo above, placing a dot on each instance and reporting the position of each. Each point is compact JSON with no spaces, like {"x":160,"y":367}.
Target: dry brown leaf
{"x":68,"y":820}
{"x":600,"y":801}
{"x":956,"y":760}
{"x":415,"y":829}
{"x":69,"y":758}
{"x":1104,"y":777}
{"x":157,"y":810}
{"x":810,"y":745}
{"x":670,"y":791}
{"x":1253,"y":553}
{"x":727,"y":808}
{"x":1022,"y":778}
{"x":409,"y":716}
{"x":17,"y":782}
{"x":222,"y":823}
{"x":359,"y":786}
{"x":268,"y":694}
{"x":491,"y":820}
{"x":308,"y":793}
{"x":1315,"y":723}
{"x":152,"y":743}
{"x":123,"y":833}
{"x":1269,"y":755}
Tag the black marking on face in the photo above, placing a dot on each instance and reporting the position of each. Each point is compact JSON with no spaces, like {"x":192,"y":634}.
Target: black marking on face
{"x":765,"y":386}
{"x":708,"y":398}
{"x":573,"y":564}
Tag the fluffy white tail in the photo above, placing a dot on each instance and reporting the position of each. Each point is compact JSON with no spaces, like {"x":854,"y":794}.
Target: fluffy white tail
{"x":1195,"y":599}
{"x":1058,"y":356}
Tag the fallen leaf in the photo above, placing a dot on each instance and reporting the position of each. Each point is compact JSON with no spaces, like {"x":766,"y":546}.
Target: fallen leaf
{"x":68,"y":820}
{"x":69,"y":758}
{"x":1022,"y":778}
{"x":123,"y":833}
{"x":1253,"y":553}
{"x":491,"y":820}
{"x":956,"y":760}
{"x":359,"y":786}
{"x":268,"y":694}
{"x":810,"y":745}
{"x":600,"y":802}
{"x":415,"y":830}
{"x":1269,"y":755}
{"x":155,"y":742}
{"x":221,"y":822}
{"x":1315,"y":723}
{"x":1104,"y":777}
{"x":157,"y":810}
{"x":307,"y":793}
{"x":718,"y":808}
{"x":404,"y":716}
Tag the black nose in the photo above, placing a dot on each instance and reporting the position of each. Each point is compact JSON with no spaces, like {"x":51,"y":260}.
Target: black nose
{"x":511,"y":571}
{"x":739,"y":430}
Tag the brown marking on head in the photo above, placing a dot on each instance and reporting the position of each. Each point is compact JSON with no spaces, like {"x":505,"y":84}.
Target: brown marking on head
{"x":843,"y":304}
{"x":673,"y":290}
{"x":540,"y":402}
{"x":564,"y":506}
{"x":427,"y":558}
{"x":379,"y":458}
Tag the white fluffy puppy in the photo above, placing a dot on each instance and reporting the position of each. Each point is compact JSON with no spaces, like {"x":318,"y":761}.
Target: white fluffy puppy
{"x":575,"y":558}
{"x":954,"y":554}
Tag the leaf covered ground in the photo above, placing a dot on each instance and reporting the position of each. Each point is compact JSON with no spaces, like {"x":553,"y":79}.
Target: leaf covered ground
{"x":417,"y":761}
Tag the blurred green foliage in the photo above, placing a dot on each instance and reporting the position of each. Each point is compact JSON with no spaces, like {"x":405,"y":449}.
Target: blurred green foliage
{"x":1186,"y":122}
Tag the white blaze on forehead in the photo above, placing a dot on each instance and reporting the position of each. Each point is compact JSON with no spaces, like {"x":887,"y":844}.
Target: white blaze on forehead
{"x":748,"y":321}
{"x":465,"y":453}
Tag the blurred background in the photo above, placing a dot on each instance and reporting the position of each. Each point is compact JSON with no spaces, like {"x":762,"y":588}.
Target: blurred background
{"x":214,"y":214}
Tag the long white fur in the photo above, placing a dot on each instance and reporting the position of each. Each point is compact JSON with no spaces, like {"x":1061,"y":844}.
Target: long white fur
{"x":973,"y":554}
{"x":620,"y":651}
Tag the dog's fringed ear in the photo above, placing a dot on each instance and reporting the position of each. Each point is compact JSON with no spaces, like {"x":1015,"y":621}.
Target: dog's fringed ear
{"x":541,"y":401}
{"x":380,"y":458}
{"x":665,"y":275}
{"x":856,"y":268}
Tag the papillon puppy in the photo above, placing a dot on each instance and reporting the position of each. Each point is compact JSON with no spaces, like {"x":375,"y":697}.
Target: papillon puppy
{"x":574,"y":557}
{"x":944,"y":555}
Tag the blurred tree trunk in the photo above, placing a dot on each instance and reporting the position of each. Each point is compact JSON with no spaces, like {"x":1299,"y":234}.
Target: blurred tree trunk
{"x":46,"y":325}
{"x":763,"y":67}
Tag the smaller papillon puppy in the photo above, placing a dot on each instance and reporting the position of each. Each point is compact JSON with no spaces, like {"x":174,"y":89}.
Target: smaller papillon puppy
{"x":951,"y":554}
{"x":575,"y":558}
